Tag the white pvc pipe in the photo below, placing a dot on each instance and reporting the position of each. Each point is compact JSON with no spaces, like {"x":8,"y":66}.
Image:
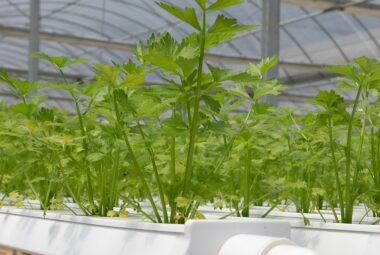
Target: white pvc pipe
{"x":261,"y":245}
{"x":290,"y":250}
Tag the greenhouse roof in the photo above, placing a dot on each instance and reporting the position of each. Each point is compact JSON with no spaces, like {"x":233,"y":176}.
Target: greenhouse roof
{"x":313,"y":34}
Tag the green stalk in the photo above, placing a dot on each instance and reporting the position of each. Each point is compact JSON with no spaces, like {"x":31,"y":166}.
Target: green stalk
{"x":373,"y":153}
{"x":335,"y":165}
{"x":85,"y":145}
{"x":320,"y":214}
{"x":245,"y":188}
{"x":194,"y":210}
{"x":114,"y":181}
{"x":362,"y":132}
{"x":34,"y":190}
{"x":47,"y":195}
{"x":76,"y":200}
{"x":348,"y":198}
{"x":334,"y":212}
{"x":194,"y":122}
{"x":271,"y":209}
{"x":135,"y":162}
{"x":234,"y":204}
{"x":138,"y":208}
{"x":72,"y":194}
{"x":376,"y":171}
{"x":156,"y":175}
{"x":103,"y":204}
{"x":24,"y":99}
{"x":173,"y":207}
{"x":230,"y":143}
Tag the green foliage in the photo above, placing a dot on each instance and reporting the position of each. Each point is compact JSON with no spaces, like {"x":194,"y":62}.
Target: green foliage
{"x":187,"y":15}
{"x":222,"y":4}
{"x":60,"y":62}
{"x":202,"y":136}
{"x":223,"y":29}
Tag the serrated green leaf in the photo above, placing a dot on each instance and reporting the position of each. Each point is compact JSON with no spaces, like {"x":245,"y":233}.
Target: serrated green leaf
{"x":4,"y":76}
{"x":345,"y":70}
{"x":41,"y":55}
{"x":60,"y":139}
{"x":96,"y":156}
{"x":238,"y":91}
{"x":165,"y":63}
{"x":220,"y":127}
{"x":45,"y":114}
{"x":213,"y":104}
{"x":222,"y":4}
{"x":132,"y":81}
{"x":174,"y":125}
{"x":60,"y":62}
{"x":188,"y":52}
{"x":75,"y":61}
{"x":187,"y":66}
{"x":182,"y":202}
{"x":318,"y":192}
{"x":25,"y":109}
{"x":224,"y":24}
{"x":264,"y":66}
{"x":220,"y":75}
{"x":329,"y":100}
{"x":187,"y":15}
{"x":266,"y":88}
{"x":201,"y":3}
{"x":106,"y":73}
{"x":223,"y":29}
{"x":124,"y":101}
{"x":217,"y":38}
{"x":67,"y":87}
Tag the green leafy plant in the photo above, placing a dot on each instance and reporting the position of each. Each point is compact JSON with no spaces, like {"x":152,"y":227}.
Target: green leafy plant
{"x":198,"y":134}
{"x":361,"y":77}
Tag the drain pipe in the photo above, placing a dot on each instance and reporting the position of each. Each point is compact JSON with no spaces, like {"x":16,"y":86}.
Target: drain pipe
{"x":261,"y":245}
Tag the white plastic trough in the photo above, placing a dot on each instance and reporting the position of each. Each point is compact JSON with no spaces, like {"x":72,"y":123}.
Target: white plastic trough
{"x":58,"y":233}
{"x":337,"y":239}
{"x":324,"y":238}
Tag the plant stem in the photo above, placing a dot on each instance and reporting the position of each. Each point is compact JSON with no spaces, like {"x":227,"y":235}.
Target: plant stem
{"x":362,"y":132}
{"x":335,"y":165}
{"x":156,"y":175}
{"x":376,"y":171}
{"x":232,"y":140}
{"x":271,"y":209}
{"x":194,"y":210}
{"x":138,"y":208}
{"x":135,"y":162}
{"x":173,"y":207}
{"x":348,"y":198}
{"x":85,"y":145}
{"x":194,"y":122}
{"x":245,"y":188}
{"x":72,"y":194}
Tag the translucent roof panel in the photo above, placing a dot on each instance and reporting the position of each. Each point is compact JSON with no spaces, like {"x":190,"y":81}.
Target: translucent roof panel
{"x":315,"y":39}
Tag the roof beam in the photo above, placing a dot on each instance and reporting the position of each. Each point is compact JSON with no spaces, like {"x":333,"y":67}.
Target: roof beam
{"x":98,"y":43}
{"x":354,"y":7}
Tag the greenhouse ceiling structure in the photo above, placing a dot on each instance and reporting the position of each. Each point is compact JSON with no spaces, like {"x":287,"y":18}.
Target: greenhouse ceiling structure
{"x":305,"y":34}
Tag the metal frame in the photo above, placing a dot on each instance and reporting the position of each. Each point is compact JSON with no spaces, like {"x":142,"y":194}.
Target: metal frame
{"x":359,"y":7}
{"x":270,"y":42}
{"x":312,"y":70}
{"x":34,"y":39}
{"x":97,"y":43}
